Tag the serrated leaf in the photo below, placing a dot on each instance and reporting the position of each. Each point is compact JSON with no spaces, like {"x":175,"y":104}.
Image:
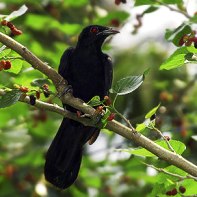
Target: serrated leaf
{"x":16,"y":66}
{"x":5,"y":52}
{"x":152,"y":112}
{"x":9,"y":98}
{"x":176,"y":34}
{"x":95,"y":101}
{"x":178,"y":146}
{"x":178,"y":58}
{"x":40,"y":82}
{"x":127,"y":85}
{"x":17,"y":13}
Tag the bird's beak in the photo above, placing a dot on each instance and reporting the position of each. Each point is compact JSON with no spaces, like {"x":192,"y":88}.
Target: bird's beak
{"x":110,"y":31}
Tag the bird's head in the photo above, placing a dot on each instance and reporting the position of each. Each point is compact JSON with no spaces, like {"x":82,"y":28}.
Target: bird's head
{"x":95,"y":34}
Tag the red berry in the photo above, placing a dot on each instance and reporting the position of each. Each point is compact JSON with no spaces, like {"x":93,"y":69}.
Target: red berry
{"x":167,"y":138}
{"x":174,"y":192}
{"x":169,"y":193}
{"x":16,"y":31}
{"x":7,"y":65}
{"x":107,"y":100}
{"x":1,"y":67}
{"x":10,"y":25}
{"x":115,"y":22}
{"x":3,"y":63}
{"x":4,"y":23}
{"x":117,"y":2}
{"x":182,"y":189}
{"x":37,"y":94}
{"x":99,"y":108}
{"x":23,"y":89}
{"x":111,"y":117}
{"x":45,"y":86}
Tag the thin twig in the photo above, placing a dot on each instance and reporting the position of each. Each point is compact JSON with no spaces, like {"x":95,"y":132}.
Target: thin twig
{"x":174,"y":9}
{"x":170,"y":173}
{"x":166,"y":140}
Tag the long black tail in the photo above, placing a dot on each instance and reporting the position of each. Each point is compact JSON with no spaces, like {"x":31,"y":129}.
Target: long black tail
{"x":64,"y":156}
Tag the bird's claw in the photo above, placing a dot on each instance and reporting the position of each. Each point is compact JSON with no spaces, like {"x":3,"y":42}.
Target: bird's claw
{"x":67,"y":90}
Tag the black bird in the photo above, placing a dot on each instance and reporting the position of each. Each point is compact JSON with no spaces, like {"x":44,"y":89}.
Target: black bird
{"x":89,"y":71}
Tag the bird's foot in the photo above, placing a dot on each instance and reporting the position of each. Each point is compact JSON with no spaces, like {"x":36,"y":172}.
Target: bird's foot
{"x":67,"y":90}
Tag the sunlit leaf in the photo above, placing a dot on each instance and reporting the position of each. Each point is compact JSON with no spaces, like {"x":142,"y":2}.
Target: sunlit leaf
{"x":17,"y":13}
{"x":16,"y":66}
{"x":152,"y":111}
{"x":5,"y":52}
{"x":127,"y":85}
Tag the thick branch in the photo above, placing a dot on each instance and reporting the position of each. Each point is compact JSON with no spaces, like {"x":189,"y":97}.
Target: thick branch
{"x":115,"y":126}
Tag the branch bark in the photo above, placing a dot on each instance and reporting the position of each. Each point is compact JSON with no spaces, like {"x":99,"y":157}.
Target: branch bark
{"x":60,"y":84}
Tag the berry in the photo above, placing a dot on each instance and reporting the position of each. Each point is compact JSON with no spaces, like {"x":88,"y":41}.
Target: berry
{"x":169,"y":193}
{"x":45,"y":87}
{"x":23,"y":89}
{"x":32,"y":100}
{"x":117,"y":2}
{"x":167,"y":138}
{"x":46,"y":93}
{"x":115,"y":22}
{"x":4,"y":23}
{"x":99,"y":108}
{"x":7,"y":65}
{"x":182,"y":189}
{"x":153,"y":117}
{"x":174,"y":192}
{"x":111,"y":117}
{"x":107,"y":100}
{"x":37,"y":94}
{"x":10,"y":25}
{"x":3,"y":63}
{"x":1,"y":67}
{"x":16,"y":32}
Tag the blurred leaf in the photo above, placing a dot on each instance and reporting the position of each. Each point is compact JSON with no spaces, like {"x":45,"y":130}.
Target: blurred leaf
{"x":178,"y":146}
{"x":194,"y":137}
{"x":118,"y":15}
{"x":127,"y":85}
{"x":176,"y":34}
{"x":5,"y":52}
{"x":150,"y":2}
{"x":152,"y":111}
{"x":150,"y":9}
{"x":178,"y":58}
{"x":16,"y":66}
{"x":17,"y":13}
{"x":77,"y":3}
{"x":9,"y":98}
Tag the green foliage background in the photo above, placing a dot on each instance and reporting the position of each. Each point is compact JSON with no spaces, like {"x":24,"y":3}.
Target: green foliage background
{"x":49,"y":27}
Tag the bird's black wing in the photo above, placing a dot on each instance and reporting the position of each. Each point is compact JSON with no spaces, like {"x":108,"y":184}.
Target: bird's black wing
{"x":65,"y":64}
{"x":108,"y":73}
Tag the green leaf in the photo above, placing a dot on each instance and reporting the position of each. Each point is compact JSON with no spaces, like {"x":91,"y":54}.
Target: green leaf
{"x":150,"y":9}
{"x":40,"y":82}
{"x":16,"y":66}
{"x":17,"y":13}
{"x":9,"y":98}
{"x":127,"y":85}
{"x":178,"y":146}
{"x":175,"y":35}
{"x":152,"y":111}
{"x":178,"y":58}
{"x":118,"y":15}
{"x":190,"y":186}
{"x":5,"y":52}
{"x":140,"y":127}
{"x":151,"y":2}
{"x":95,"y":101}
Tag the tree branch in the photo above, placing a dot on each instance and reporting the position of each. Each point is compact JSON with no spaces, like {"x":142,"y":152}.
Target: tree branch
{"x":115,"y":126}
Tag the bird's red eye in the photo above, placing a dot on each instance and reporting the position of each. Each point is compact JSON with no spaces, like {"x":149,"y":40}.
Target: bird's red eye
{"x":94,"y":30}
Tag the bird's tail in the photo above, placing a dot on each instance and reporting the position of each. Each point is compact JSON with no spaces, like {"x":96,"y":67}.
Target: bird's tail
{"x":63,"y":158}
